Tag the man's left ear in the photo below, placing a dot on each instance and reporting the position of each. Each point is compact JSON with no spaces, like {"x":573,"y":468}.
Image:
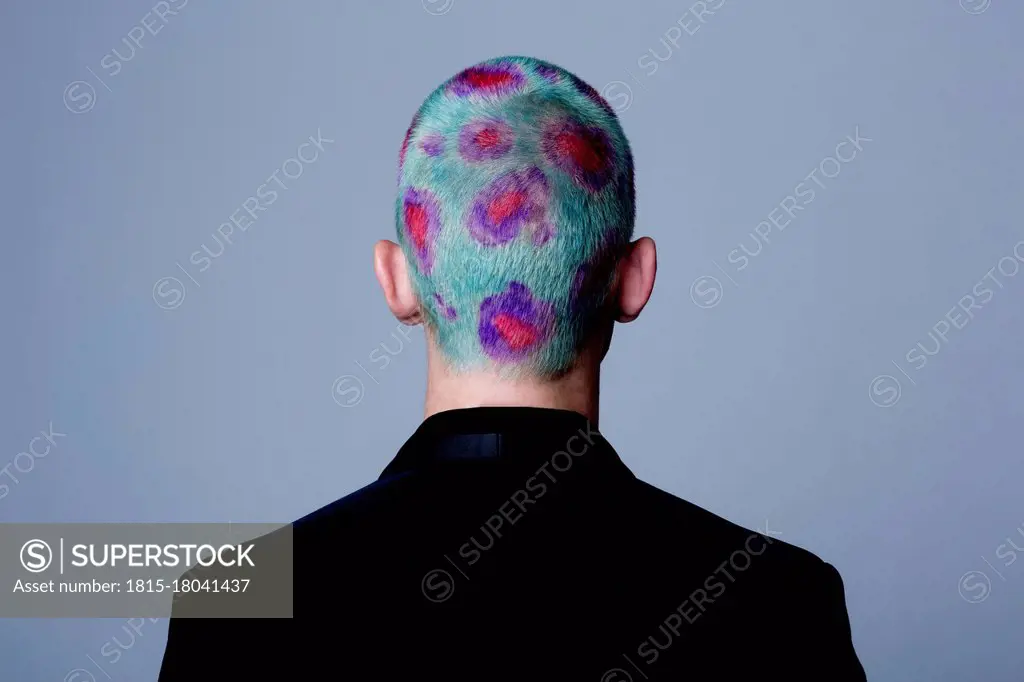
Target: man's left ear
{"x":392,"y":272}
{"x":635,"y":275}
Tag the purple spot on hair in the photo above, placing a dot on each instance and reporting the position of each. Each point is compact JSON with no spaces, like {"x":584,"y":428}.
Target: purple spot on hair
{"x":591,"y":279}
{"x":514,"y":324}
{"x":514,"y":201}
{"x":433,"y":144}
{"x":405,"y":143}
{"x":421,"y":218}
{"x":624,"y":186}
{"x":485,"y":140}
{"x":590,"y":93}
{"x":446,"y":310}
{"x":577,"y":285}
{"x":542,"y":232}
{"x":583,"y":152}
{"x":548,"y":72}
{"x":500,"y":78}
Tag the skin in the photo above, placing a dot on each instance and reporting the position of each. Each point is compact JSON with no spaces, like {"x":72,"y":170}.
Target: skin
{"x":577,"y":390}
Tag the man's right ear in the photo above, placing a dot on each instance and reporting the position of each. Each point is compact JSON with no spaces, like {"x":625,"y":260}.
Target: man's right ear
{"x":392,"y":272}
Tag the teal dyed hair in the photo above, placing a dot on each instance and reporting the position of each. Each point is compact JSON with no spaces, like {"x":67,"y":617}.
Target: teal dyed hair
{"x":515,"y":199}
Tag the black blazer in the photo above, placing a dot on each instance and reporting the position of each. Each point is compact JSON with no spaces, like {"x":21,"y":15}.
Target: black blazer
{"x":513,"y":544}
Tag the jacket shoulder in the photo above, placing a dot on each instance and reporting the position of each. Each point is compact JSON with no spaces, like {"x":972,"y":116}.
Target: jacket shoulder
{"x":720,"y":535}
{"x":373,"y":498}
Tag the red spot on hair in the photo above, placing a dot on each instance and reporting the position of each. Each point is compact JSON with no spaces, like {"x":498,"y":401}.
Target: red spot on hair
{"x":485,"y":79}
{"x":516,"y":333}
{"x":505,"y":206}
{"x":586,"y":152}
{"x":488,"y":137}
{"x":416,"y":220}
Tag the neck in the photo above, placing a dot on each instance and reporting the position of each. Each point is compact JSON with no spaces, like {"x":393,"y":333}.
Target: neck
{"x":577,"y":390}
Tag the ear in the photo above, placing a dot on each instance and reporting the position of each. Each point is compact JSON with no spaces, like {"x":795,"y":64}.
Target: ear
{"x":635,"y":279}
{"x":392,"y":272}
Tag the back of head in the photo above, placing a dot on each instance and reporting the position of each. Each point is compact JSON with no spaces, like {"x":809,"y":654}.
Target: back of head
{"x":515,"y":197}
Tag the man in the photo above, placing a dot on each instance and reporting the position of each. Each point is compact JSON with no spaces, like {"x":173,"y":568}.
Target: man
{"x":507,"y":540}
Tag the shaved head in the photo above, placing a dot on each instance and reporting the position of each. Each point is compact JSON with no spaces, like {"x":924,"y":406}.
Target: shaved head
{"x":515,"y":199}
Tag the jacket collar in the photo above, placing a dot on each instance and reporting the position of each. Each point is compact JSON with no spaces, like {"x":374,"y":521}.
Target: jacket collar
{"x":501,"y":435}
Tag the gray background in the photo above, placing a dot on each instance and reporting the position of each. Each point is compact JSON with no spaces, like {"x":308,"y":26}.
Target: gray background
{"x":757,"y":408}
